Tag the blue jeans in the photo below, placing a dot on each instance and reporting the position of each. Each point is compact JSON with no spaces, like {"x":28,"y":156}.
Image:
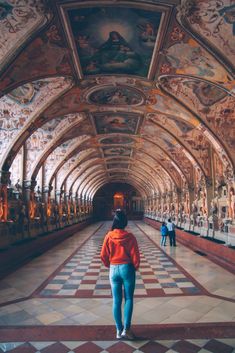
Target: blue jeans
{"x":122,"y":276}
{"x":163,"y":240}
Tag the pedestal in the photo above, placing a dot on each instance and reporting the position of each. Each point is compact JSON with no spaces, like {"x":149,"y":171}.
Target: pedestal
{"x":186,"y":225}
{"x":4,"y":236}
{"x":231,"y":235}
{"x":204,"y":228}
{"x":211,"y":232}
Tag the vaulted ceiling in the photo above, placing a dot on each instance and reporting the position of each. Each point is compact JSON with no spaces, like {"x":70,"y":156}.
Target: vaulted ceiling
{"x":94,"y":92}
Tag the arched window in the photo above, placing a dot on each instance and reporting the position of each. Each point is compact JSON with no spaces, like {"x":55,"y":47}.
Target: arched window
{"x":118,"y":200}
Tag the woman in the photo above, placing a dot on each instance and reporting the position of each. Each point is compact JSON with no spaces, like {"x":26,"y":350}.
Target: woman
{"x":164,"y":233}
{"x":120,"y":253}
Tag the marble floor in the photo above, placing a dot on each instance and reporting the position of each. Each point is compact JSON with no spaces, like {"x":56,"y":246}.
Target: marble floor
{"x":60,"y":301}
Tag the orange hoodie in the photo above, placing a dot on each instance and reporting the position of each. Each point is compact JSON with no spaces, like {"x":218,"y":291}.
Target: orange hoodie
{"x":120,"y":247}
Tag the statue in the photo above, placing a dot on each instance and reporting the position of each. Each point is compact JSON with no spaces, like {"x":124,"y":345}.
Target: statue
{"x":214,"y":214}
{"x":204,"y":207}
{"x":38,"y":194}
{"x":1,"y":208}
{"x":231,"y":203}
{"x":214,"y":208}
{"x":21,"y":218}
{"x":48,"y":207}
{"x":18,"y":187}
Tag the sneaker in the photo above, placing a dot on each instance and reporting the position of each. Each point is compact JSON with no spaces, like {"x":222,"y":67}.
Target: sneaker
{"x":127,"y":334}
{"x":118,"y":335}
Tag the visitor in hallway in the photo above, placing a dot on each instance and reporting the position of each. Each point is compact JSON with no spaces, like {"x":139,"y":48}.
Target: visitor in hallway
{"x":120,"y":253}
{"x":171,"y":230}
{"x":164,"y":233}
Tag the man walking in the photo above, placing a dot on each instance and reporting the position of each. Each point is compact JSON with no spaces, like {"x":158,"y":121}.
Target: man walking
{"x":171,"y":229}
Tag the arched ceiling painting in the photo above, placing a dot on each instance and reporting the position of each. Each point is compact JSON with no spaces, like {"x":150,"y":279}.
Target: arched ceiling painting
{"x":94,"y":92}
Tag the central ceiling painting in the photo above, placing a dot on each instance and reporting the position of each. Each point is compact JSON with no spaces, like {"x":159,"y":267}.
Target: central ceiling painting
{"x":113,"y":39}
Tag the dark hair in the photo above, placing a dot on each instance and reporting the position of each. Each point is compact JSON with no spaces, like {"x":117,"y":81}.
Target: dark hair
{"x":120,"y":220}
{"x":163,"y":223}
{"x":169,"y":220}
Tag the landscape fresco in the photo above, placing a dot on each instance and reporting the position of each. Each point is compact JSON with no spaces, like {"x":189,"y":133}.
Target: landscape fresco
{"x":206,"y":93}
{"x":116,"y":122}
{"x":117,"y":165}
{"x":23,"y":94}
{"x":116,"y":96}
{"x":114,"y":39}
{"x":116,"y":151}
{"x":116,"y":140}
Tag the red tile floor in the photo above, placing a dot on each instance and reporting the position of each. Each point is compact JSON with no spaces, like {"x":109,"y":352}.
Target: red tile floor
{"x":60,"y":301}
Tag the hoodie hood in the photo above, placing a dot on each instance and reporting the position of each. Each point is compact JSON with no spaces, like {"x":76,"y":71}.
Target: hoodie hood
{"x":119,"y":236}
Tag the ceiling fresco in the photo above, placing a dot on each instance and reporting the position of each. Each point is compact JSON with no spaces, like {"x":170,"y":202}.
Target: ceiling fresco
{"x":56,"y":155}
{"x":183,"y":55}
{"x":56,"y":159}
{"x":18,"y":20}
{"x":116,"y":151}
{"x":113,"y":39}
{"x":186,"y":139}
{"x":24,"y":103}
{"x":45,"y":56}
{"x":214,"y":23}
{"x":116,"y":140}
{"x":93,"y":92}
{"x":116,"y":95}
{"x":48,"y":134}
{"x":69,"y":165}
{"x":69,"y":172}
{"x":212,"y":104}
{"x":109,"y":123}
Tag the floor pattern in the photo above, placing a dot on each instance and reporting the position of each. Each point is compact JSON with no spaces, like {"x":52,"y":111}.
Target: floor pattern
{"x":159,"y":346}
{"x":163,"y":323}
{"x":83,"y":275}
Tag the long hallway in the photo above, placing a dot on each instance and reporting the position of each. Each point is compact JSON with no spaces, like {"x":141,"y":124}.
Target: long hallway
{"x":61,"y":301}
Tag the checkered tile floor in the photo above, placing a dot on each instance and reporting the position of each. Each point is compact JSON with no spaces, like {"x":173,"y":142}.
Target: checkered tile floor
{"x":160,"y":346}
{"x":84,"y":276}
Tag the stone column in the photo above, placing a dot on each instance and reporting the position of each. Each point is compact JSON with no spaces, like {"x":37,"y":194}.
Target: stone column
{"x":57,"y":196}
{"x":163,"y":203}
{"x":175,"y":200}
{"x":29,"y":206}
{"x":26,"y":190}
{"x":191,"y":199}
{"x":45,"y":193}
{"x":80,"y":208}
{"x":29,"y":197}
{"x":180,"y":209}
{"x":209,"y":193}
{"x":145,"y":202}
{"x":209,"y":199}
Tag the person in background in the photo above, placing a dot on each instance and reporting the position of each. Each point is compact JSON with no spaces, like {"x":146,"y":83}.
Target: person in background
{"x":164,"y":233}
{"x":171,"y":230}
{"x":120,"y":253}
